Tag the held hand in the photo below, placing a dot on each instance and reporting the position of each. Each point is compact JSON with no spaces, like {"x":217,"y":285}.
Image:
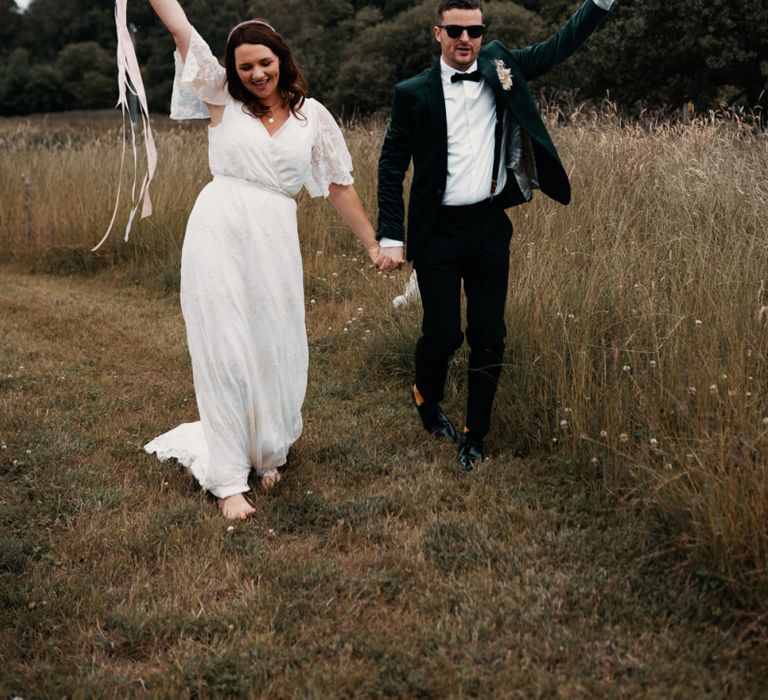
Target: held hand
{"x":390,"y":259}
{"x":373,"y":253}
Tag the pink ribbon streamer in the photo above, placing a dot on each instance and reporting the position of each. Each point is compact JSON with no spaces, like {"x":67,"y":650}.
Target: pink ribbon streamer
{"x":129,"y":78}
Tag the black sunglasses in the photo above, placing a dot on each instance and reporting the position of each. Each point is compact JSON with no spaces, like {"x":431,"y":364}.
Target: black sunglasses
{"x":454,"y":31}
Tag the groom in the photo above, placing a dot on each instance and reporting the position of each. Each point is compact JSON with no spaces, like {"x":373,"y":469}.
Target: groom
{"x":478,"y":146}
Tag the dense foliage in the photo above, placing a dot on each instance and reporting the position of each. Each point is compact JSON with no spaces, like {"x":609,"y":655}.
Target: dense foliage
{"x":59,"y":54}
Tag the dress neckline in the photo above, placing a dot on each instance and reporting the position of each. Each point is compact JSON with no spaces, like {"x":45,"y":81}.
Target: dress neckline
{"x":278,"y":130}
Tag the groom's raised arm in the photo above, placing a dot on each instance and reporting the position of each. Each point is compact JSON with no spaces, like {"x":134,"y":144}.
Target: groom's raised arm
{"x":538,"y":59}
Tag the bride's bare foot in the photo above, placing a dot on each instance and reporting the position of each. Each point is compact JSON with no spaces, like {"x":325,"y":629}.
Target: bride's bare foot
{"x":269,"y":480}
{"x":236,"y":507}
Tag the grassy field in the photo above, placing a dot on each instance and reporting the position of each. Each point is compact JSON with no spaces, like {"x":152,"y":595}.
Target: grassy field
{"x":616,"y":543}
{"x":376,"y":569}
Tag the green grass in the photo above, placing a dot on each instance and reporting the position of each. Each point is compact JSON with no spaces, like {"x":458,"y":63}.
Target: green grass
{"x":375,"y":569}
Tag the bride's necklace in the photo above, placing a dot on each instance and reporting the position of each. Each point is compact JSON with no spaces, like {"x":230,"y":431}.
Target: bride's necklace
{"x":268,"y":114}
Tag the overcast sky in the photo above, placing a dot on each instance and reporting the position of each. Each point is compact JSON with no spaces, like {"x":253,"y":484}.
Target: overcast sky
{"x":23,"y":3}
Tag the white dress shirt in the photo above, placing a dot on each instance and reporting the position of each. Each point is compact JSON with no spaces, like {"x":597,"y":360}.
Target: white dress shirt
{"x":470,"y":114}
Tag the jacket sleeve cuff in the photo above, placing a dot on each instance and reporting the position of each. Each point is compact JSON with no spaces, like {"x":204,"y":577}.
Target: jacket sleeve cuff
{"x":390,"y":233}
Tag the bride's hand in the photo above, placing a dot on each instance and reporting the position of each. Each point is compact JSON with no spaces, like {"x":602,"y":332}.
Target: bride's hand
{"x":373,"y":253}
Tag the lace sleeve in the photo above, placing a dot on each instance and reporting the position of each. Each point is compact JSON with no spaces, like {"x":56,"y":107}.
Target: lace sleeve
{"x":199,"y":79}
{"x":331,"y":162}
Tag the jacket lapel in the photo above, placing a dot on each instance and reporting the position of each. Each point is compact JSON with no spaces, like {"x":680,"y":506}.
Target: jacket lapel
{"x":488,"y":71}
{"x":436,"y":103}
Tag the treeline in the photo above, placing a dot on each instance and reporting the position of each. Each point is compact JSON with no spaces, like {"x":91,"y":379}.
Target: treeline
{"x":59,"y":54}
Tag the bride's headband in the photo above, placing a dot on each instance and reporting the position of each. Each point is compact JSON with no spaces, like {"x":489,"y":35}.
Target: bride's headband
{"x":261,"y":22}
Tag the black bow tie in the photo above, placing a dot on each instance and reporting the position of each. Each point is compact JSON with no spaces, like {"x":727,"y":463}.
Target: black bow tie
{"x":474,"y":76}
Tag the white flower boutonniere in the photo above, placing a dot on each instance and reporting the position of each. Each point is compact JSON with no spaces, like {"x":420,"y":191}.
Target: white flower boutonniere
{"x":504,"y":73}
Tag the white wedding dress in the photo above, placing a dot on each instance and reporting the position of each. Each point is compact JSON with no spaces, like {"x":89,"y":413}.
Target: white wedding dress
{"x":242,"y":293}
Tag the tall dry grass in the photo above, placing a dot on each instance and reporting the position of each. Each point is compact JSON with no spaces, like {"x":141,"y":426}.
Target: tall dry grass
{"x":637,"y":315}
{"x":638,"y":326}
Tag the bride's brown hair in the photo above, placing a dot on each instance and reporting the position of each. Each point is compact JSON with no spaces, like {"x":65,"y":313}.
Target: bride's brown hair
{"x":292,"y":85}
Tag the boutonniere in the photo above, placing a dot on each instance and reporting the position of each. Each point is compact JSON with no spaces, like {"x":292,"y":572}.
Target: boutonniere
{"x":504,"y":73}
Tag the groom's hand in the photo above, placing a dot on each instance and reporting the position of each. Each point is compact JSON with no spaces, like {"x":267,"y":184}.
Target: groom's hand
{"x":390,"y":259}
{"x":382,"y":260}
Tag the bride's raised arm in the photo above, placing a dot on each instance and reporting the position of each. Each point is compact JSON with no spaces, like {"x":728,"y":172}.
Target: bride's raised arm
{"x":172,"y":15}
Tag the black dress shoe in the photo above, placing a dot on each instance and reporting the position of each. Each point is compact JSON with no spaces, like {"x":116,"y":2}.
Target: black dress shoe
{"x":434,"y":419}
{"x":470,"y":451}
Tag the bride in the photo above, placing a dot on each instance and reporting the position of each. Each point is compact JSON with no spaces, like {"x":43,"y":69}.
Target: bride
{"x":242,"y":291}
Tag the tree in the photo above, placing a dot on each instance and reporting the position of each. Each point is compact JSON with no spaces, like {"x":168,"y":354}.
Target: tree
{"x":88,"y":76}
{"x":10,"y":23}
{"x":649,"y":52}
{"x":656,"y":52}
{"x":26,"y":88}
{"x":15,"y":77}
{"x":49,"y":25}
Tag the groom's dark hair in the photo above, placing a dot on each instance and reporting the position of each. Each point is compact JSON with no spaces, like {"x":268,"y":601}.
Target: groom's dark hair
{"x":444,"y":5}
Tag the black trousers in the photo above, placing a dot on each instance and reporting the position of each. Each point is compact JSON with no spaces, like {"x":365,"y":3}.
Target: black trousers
{"x":469,"y":244}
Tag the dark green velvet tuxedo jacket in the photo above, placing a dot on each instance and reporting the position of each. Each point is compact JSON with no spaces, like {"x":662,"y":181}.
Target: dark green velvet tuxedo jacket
{"x":418,"y":131}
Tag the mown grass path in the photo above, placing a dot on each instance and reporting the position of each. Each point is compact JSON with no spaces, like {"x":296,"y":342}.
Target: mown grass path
{"x":375,"y":569}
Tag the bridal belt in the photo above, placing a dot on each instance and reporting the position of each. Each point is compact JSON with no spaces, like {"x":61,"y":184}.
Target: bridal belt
{"x":252,"y":183}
